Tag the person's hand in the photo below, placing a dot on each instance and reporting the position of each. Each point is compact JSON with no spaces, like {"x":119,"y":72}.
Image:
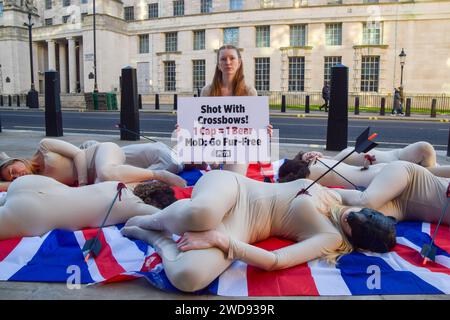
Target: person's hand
{"x":270,"y":130}
{"x":202,"y":240}
{"x":311,"y":155}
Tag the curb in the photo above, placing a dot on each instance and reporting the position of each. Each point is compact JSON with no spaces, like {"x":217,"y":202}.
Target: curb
{"x":272,"y":114}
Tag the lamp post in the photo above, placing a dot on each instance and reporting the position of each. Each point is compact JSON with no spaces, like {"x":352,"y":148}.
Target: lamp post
{"x":95,"y":49}
{"x":32,"y":96}
{"x":402,"y":56}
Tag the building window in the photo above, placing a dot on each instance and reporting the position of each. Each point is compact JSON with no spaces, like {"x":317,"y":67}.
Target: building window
{"x":262,"y":74}
{"x":128,"y":13}
{"x":84,"y":1}
{"x":170,"y":81}
{"x":153,"y":10}
{"x":262,"y":36}
{"x":266,"y":4}
{"x":83,"y":15}
{"x":178,"y":8}
{"x":171,"y":41}
{"x":198,"y":74}
{"x":236,"y":4}
{"x":48,"y":4}
{"x":296,"y":74}
{"x":329,"y":62}
{"x":144,"y":43}
{"x":333,"y":34}
{"x":372,"y":32}
{"x":297,"y":35}
{"x":370,"y":73}
{"x":231,"y":36}
{"x":66,"y":3}
{"x":65,"y":19}
{"x":48,"y":22}
{"x":206,"y":6}
{"x":199,"y":40}
{"x":371,"y":1}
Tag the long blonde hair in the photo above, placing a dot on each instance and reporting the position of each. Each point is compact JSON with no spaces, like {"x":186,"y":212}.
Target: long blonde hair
{"x":334,"y":214}
{"x":238,"y":85}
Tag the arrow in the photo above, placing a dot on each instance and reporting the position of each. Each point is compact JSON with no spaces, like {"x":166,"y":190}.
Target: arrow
{"x":363,"y":144}
{"x":428,"y":251}
{"x":340,"y":175}
{"x":93,"y":245}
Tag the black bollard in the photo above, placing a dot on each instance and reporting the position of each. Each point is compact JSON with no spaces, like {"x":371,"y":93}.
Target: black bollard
{"x":18,"y":100}
{"x":283,"y":103}
{"x":129,"y":111}
{"x":356,"y":105}
{"x":408,"y":107}
{"x":53,"y":116}
{"x":199,"y":92}
{"x":307,"y":104}
{"x":9,"y":101}
{"x":157,"y":101}
{"x":140,"y":101}
{"x":383,"y":106}
{"x":175,"y":101}
{"x":337,"y":129}
{"x":433,"y":108}
{"x":1,"y":100}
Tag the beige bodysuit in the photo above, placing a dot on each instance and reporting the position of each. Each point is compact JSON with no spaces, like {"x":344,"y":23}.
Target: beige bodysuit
{"x":247,"y":211}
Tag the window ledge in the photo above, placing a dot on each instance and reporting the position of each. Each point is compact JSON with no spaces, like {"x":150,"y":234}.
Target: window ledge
{"x":167,"y":52}
{"x":381,"y":46}
{"x":296,"y":47}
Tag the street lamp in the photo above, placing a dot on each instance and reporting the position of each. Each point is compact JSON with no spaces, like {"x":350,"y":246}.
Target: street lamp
{"x":32,"y":96}
{"x":402,"y":56}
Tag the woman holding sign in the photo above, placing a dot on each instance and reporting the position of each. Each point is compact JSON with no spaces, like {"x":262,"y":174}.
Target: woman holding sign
{"x":228,"y":213}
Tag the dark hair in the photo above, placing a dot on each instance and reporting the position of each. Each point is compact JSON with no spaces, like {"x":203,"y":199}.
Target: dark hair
{"x":292,"y":170}
{"x":372,"y":230}
{"x":157,"y":194}
{"x":299,"y":155}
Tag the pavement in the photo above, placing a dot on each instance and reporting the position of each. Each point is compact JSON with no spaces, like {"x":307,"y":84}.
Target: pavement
{"x":23,"y":143}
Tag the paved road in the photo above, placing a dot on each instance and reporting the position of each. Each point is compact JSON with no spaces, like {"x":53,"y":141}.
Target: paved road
{"x":292,"y":130}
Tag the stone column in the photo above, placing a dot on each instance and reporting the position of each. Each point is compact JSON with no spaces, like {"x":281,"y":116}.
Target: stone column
{"x":72,"y":66}
{"x":81,"y":59}
{"x":51,"y":55}
{"x":63,"y":67}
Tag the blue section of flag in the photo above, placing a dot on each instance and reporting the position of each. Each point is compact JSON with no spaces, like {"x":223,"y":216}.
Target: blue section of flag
{"x":360,"y":271}
{"x":51,"y":262}
{"x":191,"y":176}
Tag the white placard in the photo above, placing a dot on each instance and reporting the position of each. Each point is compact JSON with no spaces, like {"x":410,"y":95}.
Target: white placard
{"x":223,"y":130}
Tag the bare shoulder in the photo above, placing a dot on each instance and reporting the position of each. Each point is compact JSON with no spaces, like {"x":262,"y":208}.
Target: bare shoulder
{"x":206,"y":91}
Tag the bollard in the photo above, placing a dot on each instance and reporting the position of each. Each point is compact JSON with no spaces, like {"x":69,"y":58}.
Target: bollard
{"x":408,"y":107}
{"x":383,"y":106}
{"x":283,"y":103}
{"x":1,"y":100}
{"x":53,"y":116}
{"x":175,"y":101}
{"x":129,"y":101}
{"x":140,"y":101}
{"x":307,"y":104}
{"x":9,"y":101}
{"x":337,"y":129}
{"x":433,"y":108}
{"x":157,"y":101}
{"x":356,"y":105}
{"x":18,"y":100}
{"x":199,"y":92}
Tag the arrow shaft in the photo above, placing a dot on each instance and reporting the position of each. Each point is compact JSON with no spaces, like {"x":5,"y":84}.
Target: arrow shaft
{"x":340,"y":175}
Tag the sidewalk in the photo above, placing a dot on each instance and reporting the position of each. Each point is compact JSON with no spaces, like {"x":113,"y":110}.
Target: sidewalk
{"x":23,"y":143}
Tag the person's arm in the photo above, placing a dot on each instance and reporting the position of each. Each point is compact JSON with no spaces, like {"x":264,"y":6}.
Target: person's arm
{"x":70,"y":151}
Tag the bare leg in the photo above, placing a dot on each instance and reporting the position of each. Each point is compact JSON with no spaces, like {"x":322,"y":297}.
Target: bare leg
{"x":109,"y":164}
{"x":204,"y":211}
{"x":188,"y":271}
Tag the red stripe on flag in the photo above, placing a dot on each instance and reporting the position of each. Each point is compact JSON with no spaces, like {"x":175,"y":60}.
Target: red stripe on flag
{"x":413,"y":257}
{"x":106,"y":262}
{"x":294,"y":281}
{"x":442,"y":239}
{"x":257,"y":171}
{"x":7,"y":246}
{"x":182,"y":193}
